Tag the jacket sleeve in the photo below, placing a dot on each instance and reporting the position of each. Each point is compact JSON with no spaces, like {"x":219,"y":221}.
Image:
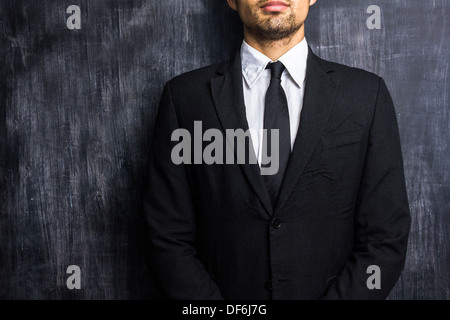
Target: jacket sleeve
{"x":169,"y":211}
{"x":382,"y":217}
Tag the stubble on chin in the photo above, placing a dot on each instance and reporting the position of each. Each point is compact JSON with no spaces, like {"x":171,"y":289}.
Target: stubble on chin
{"x":274,"y":27}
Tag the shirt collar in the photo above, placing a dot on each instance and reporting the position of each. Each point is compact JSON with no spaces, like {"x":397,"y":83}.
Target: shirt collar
{"x":254,"y":62}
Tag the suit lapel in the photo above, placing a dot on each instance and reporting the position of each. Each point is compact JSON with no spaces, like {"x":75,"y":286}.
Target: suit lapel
{"x":320,"y":92}
{"x":228,"y":96}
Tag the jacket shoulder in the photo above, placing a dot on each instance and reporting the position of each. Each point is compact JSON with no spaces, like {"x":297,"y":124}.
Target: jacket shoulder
{"x":350,"y":75}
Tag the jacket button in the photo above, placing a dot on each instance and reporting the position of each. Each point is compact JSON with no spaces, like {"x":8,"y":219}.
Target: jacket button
{"x":276,"y":223}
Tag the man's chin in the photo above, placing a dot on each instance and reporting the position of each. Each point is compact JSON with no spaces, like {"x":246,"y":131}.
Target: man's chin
{"x":275,"y":32}
{"x":276,"y":28}
{"x":273,"y":23}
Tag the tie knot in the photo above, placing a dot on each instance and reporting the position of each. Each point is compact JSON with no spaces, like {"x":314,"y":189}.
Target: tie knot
{"x":276,"y":69}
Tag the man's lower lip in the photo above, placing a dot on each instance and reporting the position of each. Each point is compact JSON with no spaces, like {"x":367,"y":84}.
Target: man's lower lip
{"x":274,"y":8}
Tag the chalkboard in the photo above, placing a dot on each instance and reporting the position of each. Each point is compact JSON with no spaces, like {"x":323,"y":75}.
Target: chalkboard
{"x":77,"y":108}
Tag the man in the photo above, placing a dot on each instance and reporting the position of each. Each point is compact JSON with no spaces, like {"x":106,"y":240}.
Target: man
{"x":335,"y":209}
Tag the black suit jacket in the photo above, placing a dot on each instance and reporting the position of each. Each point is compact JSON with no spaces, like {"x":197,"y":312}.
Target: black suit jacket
{"x":342,"y":207}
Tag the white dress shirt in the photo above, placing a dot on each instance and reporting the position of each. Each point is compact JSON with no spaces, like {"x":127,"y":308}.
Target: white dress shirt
{"x":256,"y":80}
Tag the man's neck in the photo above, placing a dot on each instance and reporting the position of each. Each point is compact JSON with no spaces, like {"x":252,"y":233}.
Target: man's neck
{"x":274,"y":49}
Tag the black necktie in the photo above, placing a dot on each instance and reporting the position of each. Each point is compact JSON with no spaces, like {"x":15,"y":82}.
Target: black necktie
{"x":276,"y":116}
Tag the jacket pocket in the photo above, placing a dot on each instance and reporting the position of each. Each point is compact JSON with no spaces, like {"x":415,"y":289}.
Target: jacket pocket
{"x":215,"y":279}
{"x":331,"y":279}
{"x":342,"y":139}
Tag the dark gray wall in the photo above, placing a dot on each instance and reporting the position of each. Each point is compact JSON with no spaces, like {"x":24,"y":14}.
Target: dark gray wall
{"x":77,"y":110}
